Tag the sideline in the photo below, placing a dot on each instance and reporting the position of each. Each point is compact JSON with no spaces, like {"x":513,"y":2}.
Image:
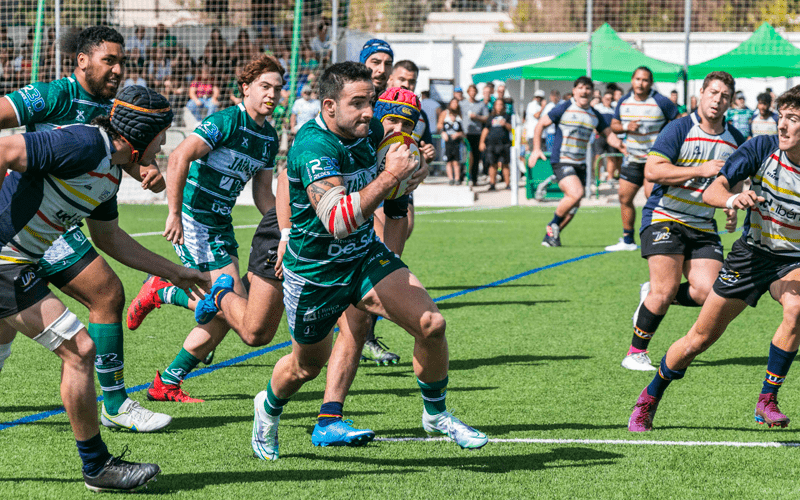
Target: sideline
{"x":244,"y":357}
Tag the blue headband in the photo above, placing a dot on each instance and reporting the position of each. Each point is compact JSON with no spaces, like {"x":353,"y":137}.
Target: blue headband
{"x":373,"y":46}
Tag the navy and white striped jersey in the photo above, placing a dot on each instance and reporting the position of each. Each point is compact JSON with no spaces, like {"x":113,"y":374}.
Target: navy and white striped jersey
{"x":764,"y":126}
{"x":685,"y":144}
{"x":774,"y":224}
{"x":574,"y":127}
{"x":69,"y":177}
{"x":653,"y":114}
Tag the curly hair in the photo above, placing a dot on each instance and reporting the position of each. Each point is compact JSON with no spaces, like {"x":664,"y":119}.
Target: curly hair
{"x":258,"y":66}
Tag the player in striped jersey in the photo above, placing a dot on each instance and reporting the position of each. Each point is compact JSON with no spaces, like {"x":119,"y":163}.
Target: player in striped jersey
{"x":576,"y":120}
{"x":207,"y":172}
{"x":72,"y":264}
{"x":641,"y":114}
{"x":765,"y":122}
{"x":679,"y":234}
{"x":765,"y":259}
{"x":60,"y":177}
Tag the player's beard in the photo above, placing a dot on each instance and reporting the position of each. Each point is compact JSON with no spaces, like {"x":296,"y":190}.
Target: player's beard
{"x":97,"y":84}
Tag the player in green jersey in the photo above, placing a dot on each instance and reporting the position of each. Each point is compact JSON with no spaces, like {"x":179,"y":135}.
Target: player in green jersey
{"x":72,"y":264}
{"x":333,"y":259}
{"x":207,"y":171}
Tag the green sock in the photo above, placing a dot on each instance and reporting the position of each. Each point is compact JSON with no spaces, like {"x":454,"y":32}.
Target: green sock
{"x":174,"y":295}
{"x":273,"y":405}
{"x":109,"y":364}
{"x":433,"y":396}
{"x":183,"y":363}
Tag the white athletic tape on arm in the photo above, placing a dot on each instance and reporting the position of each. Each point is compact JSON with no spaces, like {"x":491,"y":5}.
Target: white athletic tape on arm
{"x":64,"y":328}
{"x":730,"y":201}
{"x":340,"y":213}
{"x":285,"y":233}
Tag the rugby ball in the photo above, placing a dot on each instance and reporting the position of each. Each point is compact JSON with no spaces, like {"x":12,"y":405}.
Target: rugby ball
{"x":395,"y":138}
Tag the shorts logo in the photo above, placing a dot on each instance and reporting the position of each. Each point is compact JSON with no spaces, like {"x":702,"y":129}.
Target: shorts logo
{"x":308,"y":330}
{"x":28,"y":278}
{"x":728,"y":277}
{"x":662,"y":235}
{"x":383,"y":262}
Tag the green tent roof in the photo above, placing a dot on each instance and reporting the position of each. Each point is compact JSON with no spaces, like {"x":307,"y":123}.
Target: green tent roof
{"x":613,"y":60}
{"x":505,"y":60}
{"x":764,"y":54}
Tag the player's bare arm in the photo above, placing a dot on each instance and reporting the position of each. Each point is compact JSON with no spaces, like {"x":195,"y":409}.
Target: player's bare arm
{"x":191,"y":149}
{"x":13,"y":155}
{"x":537,"y":153}
{"x":283,"y":211}
{"x":149,"y":175}
{"x":113,"y":240}
{"x":8,"y":117}
{"x":661,"y":171}
{"x":719,"y":194}
{"x":614,"y":141}
{"x":262,"y":191}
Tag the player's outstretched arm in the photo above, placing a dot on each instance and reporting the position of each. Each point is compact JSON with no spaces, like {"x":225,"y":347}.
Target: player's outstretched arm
{"x":149,"y":175}
{"x":720,"y":195}
{"x":191,"y":149}
{"x":113,"y":240}
{"x":661,"y":171}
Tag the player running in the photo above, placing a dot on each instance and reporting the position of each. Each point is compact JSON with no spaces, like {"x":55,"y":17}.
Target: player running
{"x":72,"y":264}
{"x":207,"y":171}
{"x":46,"y":193}
{"x":575,"y":120}
{"x":679,"y":233}
{"x":641,"y":114}
{"x":765,"y":259}
{"x":335,"y":188}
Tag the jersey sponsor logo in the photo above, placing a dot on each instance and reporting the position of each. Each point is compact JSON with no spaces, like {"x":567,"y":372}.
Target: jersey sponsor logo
{"x":661,"y":236}
{"x":779,"y":209}
{"x":105,"y":195}
{"x":68,"y":219}
{"x":220,"y":208}
{"x":337,"y":249}
{"x":211,"y":131}
{"x":729,"y":277}
{"x":241,"y":164}
{"x":226,"y":182}
{"x":32,"y":99}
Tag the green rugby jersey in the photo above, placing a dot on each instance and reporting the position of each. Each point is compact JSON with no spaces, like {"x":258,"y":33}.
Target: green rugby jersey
{"x":240,"y":148}
{"x":313,"y":253}
{"x":44,"y":106}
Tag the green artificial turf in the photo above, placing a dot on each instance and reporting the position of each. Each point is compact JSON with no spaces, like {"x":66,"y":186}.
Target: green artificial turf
{"x":534,"y":358}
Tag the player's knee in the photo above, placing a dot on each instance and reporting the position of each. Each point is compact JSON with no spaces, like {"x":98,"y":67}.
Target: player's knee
{"x":308,"y":369}
{"x":109,"y":297}
{"x":433,"y":325}
{"x":791,"y":315}
{"x":258,"y":337}
{"x":662,"y":296}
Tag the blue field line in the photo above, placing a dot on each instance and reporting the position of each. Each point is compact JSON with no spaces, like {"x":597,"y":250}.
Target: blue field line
{"x":244,"y":357}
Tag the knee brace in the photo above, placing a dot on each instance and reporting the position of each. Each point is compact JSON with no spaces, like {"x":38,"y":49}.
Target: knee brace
{"x":64,"y":328}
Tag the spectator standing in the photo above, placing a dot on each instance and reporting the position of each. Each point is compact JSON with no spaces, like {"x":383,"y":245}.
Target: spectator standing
{"x":204,"y":94}
{"x":452,"y":128}
{"x":216,"y":50}
{"x":508,"y":101}
{"x":740,"y":115}
{"x":550,"y":131}
{"x":134,"y":73}
{"x":140,"y":43}
{"x":304,"y":109}
{"x":431,"y":107}
{"x":474,"y":114}
{"x":160,"y":67}
{"x":601,"y":146}
{"x":765,"y":121}
{"x":321,"y":43}
{"x":532,"y":114}
{"x":458,"y":93}
{"x":242,"y":50}
{"x":496,"y":143}
{"x":673,"y":96}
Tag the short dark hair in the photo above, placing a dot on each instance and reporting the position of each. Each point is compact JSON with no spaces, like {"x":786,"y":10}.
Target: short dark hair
{"x":336,"y":76}
{"x":764,"y":98}
{"x":425,"y":94}
{"x":643,"y":68}
{"x":674,"y":92}
{"x":555,"y":92}
{"x":789,"y":99}
{"x":490,"y":84}
{"x":584,"y":80}
{"x":91,"y":38}
{"x":722,"y":76}
{"x":608,"y":92}
{"x":406,"y":65}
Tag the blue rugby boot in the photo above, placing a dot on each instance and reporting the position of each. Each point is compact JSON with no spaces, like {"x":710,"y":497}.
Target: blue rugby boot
{"x":340,"y":433}
{"x":207,"y":308}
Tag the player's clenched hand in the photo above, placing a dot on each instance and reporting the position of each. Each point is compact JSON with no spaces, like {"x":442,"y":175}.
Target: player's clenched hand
{"x":746,"y":199}
{"x":633,"y":126}
{"x":173,"y":230}
{"x":191,"y":281}
{"x":427,"y":150}
{"x":711,"y":168}
{"x":731,"y":219}
{"x":418,"y":176}
{"x":399,"y":161}
{"x":153,"y":180}
{"x":536,"y":155}
{"x":279,"y":262}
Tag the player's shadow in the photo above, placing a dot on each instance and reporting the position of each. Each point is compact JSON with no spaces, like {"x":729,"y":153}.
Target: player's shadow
{"x":491,"y":303}
{"x":228,"y":397}
{"x":199,"y":480}
{"x":740,"y":361}
{"x":470,"y":287}
{"x":523,"y":360}
{"x":410,"y":391}
{"x":482,"y":461}
{"x":494,"y":431}
{"x":30,"y":409}
{"x":205,"y":422}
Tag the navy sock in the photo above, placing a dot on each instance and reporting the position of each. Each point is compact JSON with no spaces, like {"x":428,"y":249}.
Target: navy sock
{"x":94,"y":454}
{"x":557,"y":220}
{"x":683,"y":298}
{"x":663,"y":378}
{"x":646,"y":325}
{"x":627,"y":236}
{"x":329,"y":413}
{"x":778,"y":366}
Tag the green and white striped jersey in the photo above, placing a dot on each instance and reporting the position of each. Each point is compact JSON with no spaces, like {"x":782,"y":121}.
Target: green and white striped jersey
{"x":240,"y":148}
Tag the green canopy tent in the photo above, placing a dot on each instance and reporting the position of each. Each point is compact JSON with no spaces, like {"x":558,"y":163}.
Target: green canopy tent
{"x":613,"y":60}
{"x":765,"y":54}
{"x":505,"y":60}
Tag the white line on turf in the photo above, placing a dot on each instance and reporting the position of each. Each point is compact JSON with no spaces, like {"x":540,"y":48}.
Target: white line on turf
{"x":730,"y":444}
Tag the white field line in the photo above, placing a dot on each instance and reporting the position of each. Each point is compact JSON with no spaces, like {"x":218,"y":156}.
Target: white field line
{"x":730,"y":444}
